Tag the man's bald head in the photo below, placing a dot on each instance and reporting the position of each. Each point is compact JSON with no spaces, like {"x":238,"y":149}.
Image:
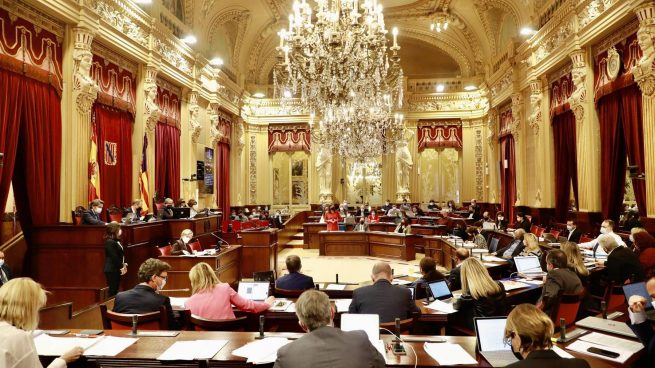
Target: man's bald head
{"x":381,"y":270}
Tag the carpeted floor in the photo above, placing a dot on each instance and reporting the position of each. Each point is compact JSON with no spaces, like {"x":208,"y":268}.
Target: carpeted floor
{"x":351,"y":269}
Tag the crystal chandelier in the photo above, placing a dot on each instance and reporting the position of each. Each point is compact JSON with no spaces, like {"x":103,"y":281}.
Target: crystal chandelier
{"x":337,"y":62}
{"x":440,"y":22}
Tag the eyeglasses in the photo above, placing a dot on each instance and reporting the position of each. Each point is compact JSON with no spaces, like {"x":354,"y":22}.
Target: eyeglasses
{"x":162,"y":277}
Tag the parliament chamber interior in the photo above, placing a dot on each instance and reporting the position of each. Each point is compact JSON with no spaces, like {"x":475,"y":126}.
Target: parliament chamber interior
{"x":327,"y":183}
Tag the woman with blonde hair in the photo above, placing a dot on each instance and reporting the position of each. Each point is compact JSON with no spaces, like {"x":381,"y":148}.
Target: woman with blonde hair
{"x":575,"y":260}
{"x":20,"y":301}
{"x":529,"y":331}
{"x":213,"y":299}
{"x":531,"y":245}
{"x":481,"y":295}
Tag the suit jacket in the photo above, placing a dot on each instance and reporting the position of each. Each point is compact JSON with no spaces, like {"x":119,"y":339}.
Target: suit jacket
{"x":179,"y":247}
{"x":501,"y":225}
{"x":516,"y":251}
{"x":143,"y":299}
{"x":89,"y":217}
{"x":454,"y":278}
{"x":646,"y":335}
{"x":7,"y":272}
{"x":548,"y":359}
{"x":574,"y":235}
{"x":330,"y":347}
{"x":114,"y":256}
{"x":622,"y":264}
{"x":559,"y":279}
{"x":421,"y":291}
{"x":386,"y":300}
{"x":165,"y":214}
{"x":525,"y":225}
{"x":295,"y":281}
{"x":460,"y":233}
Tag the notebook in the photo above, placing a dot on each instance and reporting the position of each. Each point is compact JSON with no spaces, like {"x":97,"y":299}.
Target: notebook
{"x":490,"y":334}
{"x":254,"y":290}
{"x":529,"y":266}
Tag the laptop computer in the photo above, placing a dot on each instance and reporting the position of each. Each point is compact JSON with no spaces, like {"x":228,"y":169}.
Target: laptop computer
{"x":529,"y":267}
{"x":181,"y":212}
{"x":493,"y":245}
{"x":490,"y":334}
{"x":489,"y":225}
{"x":440,"y":290}
{"x":369,"y":323}
{"x":606,"y":325}
{"x":412,"y":291}
{"x":639,"y":288}
{"x":257,"y":291}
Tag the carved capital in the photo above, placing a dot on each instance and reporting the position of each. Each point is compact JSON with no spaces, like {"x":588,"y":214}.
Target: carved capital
{"x":152,"y":110}
{"x":536,"y":97}
{"x":85,"y":89}
{"x":194,"y":123}
{"x":579,"y":77}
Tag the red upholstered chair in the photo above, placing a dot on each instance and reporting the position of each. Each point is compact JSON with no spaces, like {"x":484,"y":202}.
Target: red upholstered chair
{"x":148,"y":321}
{"x":585,"y":239}
{"x":77,"y":215}
{"x":534,"y":229}
{"x":540,"y":231}
{"x":165,"y":250}
{"x":567,"y":307}
{"x":555,"y":233}
{"x":236,"y":226}
{"x":114,"y":214}
{"x":263,"y":223}
{"x":195,"y":246}
{"x":224,"y":226}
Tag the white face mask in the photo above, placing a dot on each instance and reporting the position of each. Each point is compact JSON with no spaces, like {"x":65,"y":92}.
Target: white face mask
{"x":501,"y":218}
{"x":603,"y":230}
{"x":569,"y":227}
{"x":161,"y":286}
{"x":2,"y":262}
{"x":98,"y":210}
{"x":632,"y":238}
{"x":185,"y":239}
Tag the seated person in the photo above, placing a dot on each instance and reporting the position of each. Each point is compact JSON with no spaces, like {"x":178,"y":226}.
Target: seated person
{"x":485,"y":218}
{"x":417,"y":211}
{"x":373,"y":218}
{"x":362,"y":211}
{"x":573,"y":234}
{"x":403,"y":227}
{"x":145,"y":297}
{"x":242,"y":216}
{"x":181,"y":203}
{"x":20,"y":302}
{"x":454,"y":279}
{"x":530,"y":332}
{"x":575,"y":261}
{"x":294,"y":280}
{"x":277,"y":219}
{"x":387,"y":206}
{"x":514,"y":248}
{"x":394,"y":211}
{"x":501,"y":222}
{"x":531,"y":246}
{"x":382,"y":298}
{"x":606,"y":228}
{"x":481,"y":295}
{"x":5,"y":271}
{"x":474,"y":210}
{"x":522,"y":222}
{"x":429,"y":271}
{"x":324,"y":345}
{"x":193,"y":208}
{"x":560,"y":278}
{"x":166,"y":212}
{"x":405,"y":206}
{"x":233,"y":216}
{"x":460,"y":230}
{"x":362,"y":225}
{"x":622,"y":263}
{"x":135,"y":209}
{"x":181,"y":245}
{"x":92,"y":215}
{"x":450,"y":206}
{"x":477,"y":238}
{"x":432,"y":206}
{"x":639,"y":323}
{"x":213,"y":299}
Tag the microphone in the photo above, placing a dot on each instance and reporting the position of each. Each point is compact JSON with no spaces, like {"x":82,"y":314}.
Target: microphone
{"x":562,"y":330}
{"x":221,"y":240}
{"x":261,"y":327}
{"x":603,"y":309}
{"x":135,"y":322}
{"x":337,"y":279}
{"x":398,"y":348}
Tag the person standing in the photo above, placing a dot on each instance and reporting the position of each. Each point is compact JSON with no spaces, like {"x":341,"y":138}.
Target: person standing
{"x":332,"y":218}
{"x":115,"y":265}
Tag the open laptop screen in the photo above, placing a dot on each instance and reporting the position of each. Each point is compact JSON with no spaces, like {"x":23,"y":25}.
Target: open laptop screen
{"x":254,"y":290}
{"x":440,"y":290}
{"x":490,"y":332}
{"x":528,"y":264}
{"x":638,"y":288}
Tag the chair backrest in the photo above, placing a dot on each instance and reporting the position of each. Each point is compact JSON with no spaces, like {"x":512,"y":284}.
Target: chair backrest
{"x":614,"y":296}
{"x":147,"y":321}
{"x":165,"y":250}
{"x":540,"y":231}
{"x":201,"y":324}
{"x":77,"y":215}
{"x":285,"y":293}
{"x":534,"y":229}
{"x":406,"y":326}
{"x":567,"y":307}
{"x":555,"y":233}
{"x":195,"y":246}
{"x":224,"y":226}
{"x":114,"y":214}
{"x":585,"y":239}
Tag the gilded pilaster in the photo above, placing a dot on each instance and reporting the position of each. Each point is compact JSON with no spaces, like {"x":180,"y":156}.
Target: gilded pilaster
{"x":147,"y":114}
{"x":492,"y":189}
{"x":519,"y":148}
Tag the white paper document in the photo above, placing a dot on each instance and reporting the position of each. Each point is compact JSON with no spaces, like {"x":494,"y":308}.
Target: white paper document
{"x":493,"y":259}
{"x":562,"y":353}
{"x":335,"y":287}
{"x":440,"y":306}
{"x":281,"y":305}
{"x":261,"y":351}
{"x":416,"y":275}
{"x":190,"y":350}
{"x":342,"y":305}
{"x":47,"y":345}
{"x":611,"y":341}
{"x":369,"y":323}
{"x":533,"y":282}
{"x":581,"y":347}
{"x":448,"y":354}
{"x":400,"y":282}
{"x":110,"y":346}
{"x":178,"y":302}
{"x":513,"y":285}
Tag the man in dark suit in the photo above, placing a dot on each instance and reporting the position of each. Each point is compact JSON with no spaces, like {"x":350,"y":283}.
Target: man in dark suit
{"x":514,"y":248}
{"x":5,"y":271}
{"x":454,"y":279}
{"x":639,"y":322}
{"x":386,"y":300}
{"x":560,"y":278}
{"x":573,"y":233}
{"x":294,"y":280}
{"x":92,"y":215}
{"x":144,"y":297}
{"x":325,"y":345}
{"x":166,"y":212}
{"x":622,"y":263}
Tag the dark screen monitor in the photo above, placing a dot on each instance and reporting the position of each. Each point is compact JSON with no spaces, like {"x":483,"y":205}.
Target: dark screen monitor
{"x":181,"y":212}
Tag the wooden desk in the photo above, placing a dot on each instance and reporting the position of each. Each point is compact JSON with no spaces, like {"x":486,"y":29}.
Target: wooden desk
{"x":376,"y":244}
{"x":310,"y":234}
{"x":226,"y":264}
{"x":259,"y":251}
{"x":426,"y":230}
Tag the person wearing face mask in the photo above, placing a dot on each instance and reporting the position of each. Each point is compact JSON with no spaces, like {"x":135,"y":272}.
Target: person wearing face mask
{"x":529,"y":331}
{"x":432,"y":206}
{"x":115,"y":265}
{"x":607,"y":227}
{"x":373,"y":218}
{"x":560,"y":279}
{"x":639,"y":321}
{"x":134,"y":209}
{"x":386,"y":207}
{"x":501,"y":222}
{"x":145,"y":297}
{"x":573,"y":234}
{"x":166,"y":212}
{"x":622,"y":263}
{"x":362,"y":211}
{"x":92,"y":215}
{"x":181,"y":245}
{"x":193,"y":208}
{"x":5,"y":272}
{"x":332,"y":219}
{"x":522,"y":222}
{"x":361,"y":226}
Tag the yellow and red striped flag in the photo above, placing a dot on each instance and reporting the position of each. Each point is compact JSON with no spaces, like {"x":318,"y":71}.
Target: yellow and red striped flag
{"x":94,"y":170}
{"x":143,"y":177}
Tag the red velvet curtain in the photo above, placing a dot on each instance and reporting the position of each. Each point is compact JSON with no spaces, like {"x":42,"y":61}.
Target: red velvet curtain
{"x":621,"y":134}
{"x":566,"y":162}
{"x":223,"y":178}
{"x":30,"y":117}
{"x":507,"y":176}
{"x":167,"y":161}
{"x":114,"y":154}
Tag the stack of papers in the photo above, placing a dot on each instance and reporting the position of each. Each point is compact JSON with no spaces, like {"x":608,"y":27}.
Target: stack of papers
{"x":261,"y":351}
{"x":625,"y":348}
{"x":342,"y":305}
{"x":448,"y":354}
{"x":335,"y":287}
{"x":400,"y":282}
{"x":281,"y":305}
{"x":493,"y":259}
{"x":47,"y":345}
{"x":110,"y":346}
{"x":178,"y":303}
{"x":440,"y":306}
{"x":190,"y":350}
{"x":513,"y":285}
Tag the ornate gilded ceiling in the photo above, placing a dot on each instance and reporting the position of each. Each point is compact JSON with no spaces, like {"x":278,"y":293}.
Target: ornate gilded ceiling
{"x":244,"y":33}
